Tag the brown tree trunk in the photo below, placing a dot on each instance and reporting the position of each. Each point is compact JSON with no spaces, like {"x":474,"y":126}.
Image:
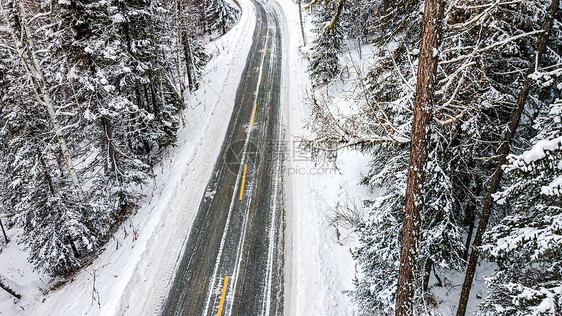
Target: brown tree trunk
{"x":427,"y":274}
{"x":149,"y":104}
{"x":188,"y":62}
{"x":471,"y":218}
{"x":423,"y":106}
{"x":155,"y":103}
{"x":503,"y":152}
{"x":302,"y":24}
{"x":46,"y":175}
{"x":110,"y":147}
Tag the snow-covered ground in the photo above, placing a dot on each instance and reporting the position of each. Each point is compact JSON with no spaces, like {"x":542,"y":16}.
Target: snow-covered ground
{"x":132,"y":276}
{"x":319,"y":262}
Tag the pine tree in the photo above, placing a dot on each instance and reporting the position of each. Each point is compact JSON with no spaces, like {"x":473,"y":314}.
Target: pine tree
{"x":483,"y":57}
{"x":326,"y":47}
{"x":109,"y":76}
{"x":419,"y":151}
{"x":220,"y":16}
{"x":526,"y":244}
{"x":503,"y":151}
{"x":44,"y":191}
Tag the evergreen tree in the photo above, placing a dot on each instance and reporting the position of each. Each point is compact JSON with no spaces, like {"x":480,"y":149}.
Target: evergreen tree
{"x":220,"y":16}
{"x":483,"y":56}
{"x":526,"y":244}
{"x":326,"y":47}
{"x":110,"y":79}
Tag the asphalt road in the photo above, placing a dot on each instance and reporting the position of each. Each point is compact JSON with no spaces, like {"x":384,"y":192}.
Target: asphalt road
{"x":238,"y":230}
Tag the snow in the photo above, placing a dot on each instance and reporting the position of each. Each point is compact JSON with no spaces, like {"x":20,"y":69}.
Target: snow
{"x":318,"y":253}
{"x":118,"y":18}
{"x":553,"y":188}
{"x":447,"y":296}
{"x":538,"y":150}
{"x":17,"y":272}
{"x":133,"y":274}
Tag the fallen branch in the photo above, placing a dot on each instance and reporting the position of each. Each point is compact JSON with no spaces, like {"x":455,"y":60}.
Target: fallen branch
{"x":6,"y":288}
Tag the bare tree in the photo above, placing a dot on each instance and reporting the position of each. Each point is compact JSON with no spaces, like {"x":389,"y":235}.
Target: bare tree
{"x":423,"y":107}
{"x":5,"y":285}
{"x":503,"y":152}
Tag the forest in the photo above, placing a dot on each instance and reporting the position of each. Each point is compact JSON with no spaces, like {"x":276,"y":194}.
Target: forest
{"x":91,"y":94}
{"x":460,"y":111}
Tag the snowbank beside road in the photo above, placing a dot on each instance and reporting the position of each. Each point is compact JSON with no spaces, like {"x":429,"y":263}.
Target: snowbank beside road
{"x":320,"y":267}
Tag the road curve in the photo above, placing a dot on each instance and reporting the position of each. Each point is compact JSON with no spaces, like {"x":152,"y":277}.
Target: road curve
{"x":238,"y":230}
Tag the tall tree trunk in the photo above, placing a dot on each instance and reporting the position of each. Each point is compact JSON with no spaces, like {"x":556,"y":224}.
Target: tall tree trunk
{"x":35,"y":72}
{"x":138,"y":97}
{"x":149,"y":104}
{"x":110,"y":147}
{"x":155,"y":103}
{"x":46,"y":175}
{"x":470,"y":208}
{"x":503,"y":152}
{"x":427,"y":274}
{"x":302,"y":24}
{"x":423,"y":107}
{"x":179,"y":35}
{"x":188,"y":62}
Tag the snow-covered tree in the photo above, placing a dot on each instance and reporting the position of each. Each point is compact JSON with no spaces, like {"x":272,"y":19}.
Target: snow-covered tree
{"x":327,"y":45}
{"x":526,"y":244}
{"x":108,"y":71}
{"x":487,"y":47}
{"x":220,"y":15}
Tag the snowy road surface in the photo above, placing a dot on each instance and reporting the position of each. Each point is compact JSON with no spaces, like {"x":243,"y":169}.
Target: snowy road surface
{"x":233,"y":260}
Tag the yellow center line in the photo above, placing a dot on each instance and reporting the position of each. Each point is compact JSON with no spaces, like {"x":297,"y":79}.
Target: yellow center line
{"x":245,"y":165}
{"x":254,"y":114}
{"x":223,"y":295}
{"x":243,"y":181}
